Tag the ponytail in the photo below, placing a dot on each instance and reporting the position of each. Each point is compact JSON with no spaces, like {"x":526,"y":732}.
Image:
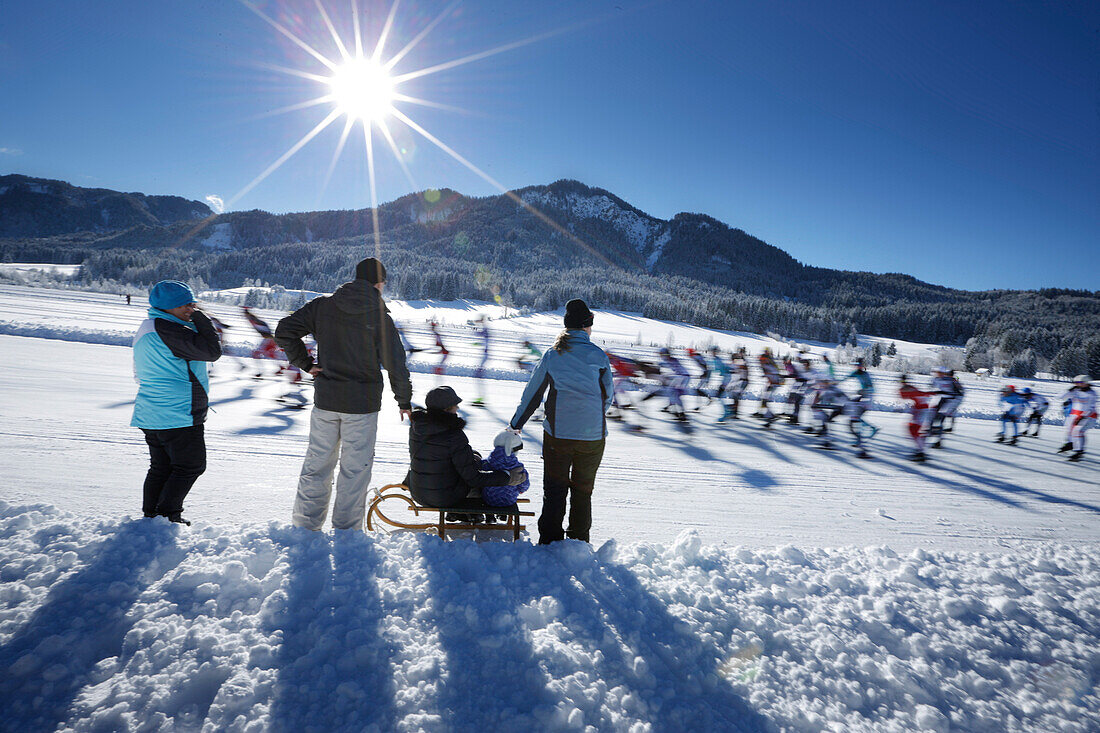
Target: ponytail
{"x":561,"y":344}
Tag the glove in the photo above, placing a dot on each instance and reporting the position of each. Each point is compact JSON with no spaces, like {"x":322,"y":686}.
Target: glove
{"x":517,"y":476}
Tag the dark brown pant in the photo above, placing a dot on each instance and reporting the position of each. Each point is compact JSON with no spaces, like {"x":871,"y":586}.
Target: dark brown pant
{"x":569,"y":468}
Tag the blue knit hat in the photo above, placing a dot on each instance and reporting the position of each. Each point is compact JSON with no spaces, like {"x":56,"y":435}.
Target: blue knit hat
{"x":169,"y":294}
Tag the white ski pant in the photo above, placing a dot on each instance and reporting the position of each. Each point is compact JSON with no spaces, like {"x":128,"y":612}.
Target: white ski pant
{"x":1077,"y":428}
{"x":349,"y":438}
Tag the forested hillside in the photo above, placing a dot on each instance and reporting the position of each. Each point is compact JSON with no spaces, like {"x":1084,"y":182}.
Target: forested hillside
{"x":692,"y":268}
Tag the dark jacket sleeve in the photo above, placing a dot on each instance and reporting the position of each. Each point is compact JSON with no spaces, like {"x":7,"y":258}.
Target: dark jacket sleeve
{"x":468,"y":466}
{"x":289,"y":333}
{"x":393,"y":358}
{"x":189,"y":345}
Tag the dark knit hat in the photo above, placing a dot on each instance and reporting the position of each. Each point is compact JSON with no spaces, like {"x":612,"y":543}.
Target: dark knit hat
{"x":441,"y":398}
{"x":577,"y":314}
{"x":371,"y":270}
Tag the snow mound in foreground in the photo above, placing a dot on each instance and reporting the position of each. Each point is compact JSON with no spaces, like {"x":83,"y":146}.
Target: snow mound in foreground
{"x":145,"y":625}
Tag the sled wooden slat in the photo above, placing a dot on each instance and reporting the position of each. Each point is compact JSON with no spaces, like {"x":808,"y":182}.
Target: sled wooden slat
{"x":441,"y":526}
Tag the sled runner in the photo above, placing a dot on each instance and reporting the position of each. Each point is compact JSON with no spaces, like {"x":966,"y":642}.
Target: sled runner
{"x":400,"y":492}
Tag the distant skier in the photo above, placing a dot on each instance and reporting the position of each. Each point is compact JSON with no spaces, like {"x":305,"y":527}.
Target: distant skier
{"x":858,"y":406}
{"x":918,"y":415}
{"x":675,"y":378}
{"x":772,"y":381}
{"x":721,"y":367}
{"x":702,"y":380}
{"x":1082,"y":415}
{"x":826,"y":403}
{"x":529,"y":355}
{"x":792,"y":370}
{"x":409,"y":348}
{"x":1039,"y":406}
{"x":949,"y":394}
{"x":482,"y":335}
{"x":623,"y":373}
{"x":267,"y":349}
{"x":440,"y":368}
{"x":738,"y":383}
{"x":1013,"y":405}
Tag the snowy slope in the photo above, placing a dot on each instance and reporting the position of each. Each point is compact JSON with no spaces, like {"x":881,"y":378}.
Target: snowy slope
{"x":963,"y":594}
{"x":228,"y":628}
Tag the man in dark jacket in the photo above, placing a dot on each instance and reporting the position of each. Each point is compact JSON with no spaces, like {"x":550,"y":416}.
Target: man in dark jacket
{"x":443,"y":468}
{"x":355,"y":338}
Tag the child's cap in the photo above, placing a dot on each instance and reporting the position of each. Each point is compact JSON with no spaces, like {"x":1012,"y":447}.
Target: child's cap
{"x":441,"y":398}
{"x":509,"y":441}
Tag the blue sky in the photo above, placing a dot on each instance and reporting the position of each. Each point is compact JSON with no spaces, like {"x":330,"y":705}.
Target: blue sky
{"x":956,"y":142}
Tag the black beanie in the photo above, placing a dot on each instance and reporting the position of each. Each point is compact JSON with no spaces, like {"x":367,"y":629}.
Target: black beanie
{"x":371,"y":270}
{"x":577,"y":314}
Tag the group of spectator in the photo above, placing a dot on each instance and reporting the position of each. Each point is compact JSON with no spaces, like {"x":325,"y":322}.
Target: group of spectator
{"x":356,"y":338}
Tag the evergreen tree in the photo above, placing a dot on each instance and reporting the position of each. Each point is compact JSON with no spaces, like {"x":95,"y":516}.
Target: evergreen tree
{"x":1069,"y":362}
{"x":1092,"y":357}
{"x":1023,"y":365}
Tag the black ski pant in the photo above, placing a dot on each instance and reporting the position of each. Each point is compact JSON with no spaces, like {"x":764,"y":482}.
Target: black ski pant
{"x":1036,"y":419}
{"x":177,"y":457}
{"x":569,"y":469}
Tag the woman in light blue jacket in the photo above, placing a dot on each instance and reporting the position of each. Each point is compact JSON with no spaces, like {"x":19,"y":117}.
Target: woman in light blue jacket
{"x":575,"y":376}
{"x":171,"y":349}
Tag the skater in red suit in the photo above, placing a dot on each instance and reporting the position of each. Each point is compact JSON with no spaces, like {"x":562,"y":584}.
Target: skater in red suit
{"x":919,"y":415}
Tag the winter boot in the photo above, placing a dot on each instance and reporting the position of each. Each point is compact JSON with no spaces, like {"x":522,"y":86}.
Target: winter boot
{"x":1065,"y":447}
{"x":1012,"y":440}
{"x":178,"y":519}
{"x":1077,"y":456}
{"x":999,"y":439}
{"x":918,"y":457}
{"x":863,"y":454}
{"x":937,"y":444}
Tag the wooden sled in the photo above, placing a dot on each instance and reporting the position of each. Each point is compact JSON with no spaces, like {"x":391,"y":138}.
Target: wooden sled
{"x":400,"y":493}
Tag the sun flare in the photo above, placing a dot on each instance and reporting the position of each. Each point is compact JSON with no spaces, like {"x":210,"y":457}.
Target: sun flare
{"x":362,"y":89}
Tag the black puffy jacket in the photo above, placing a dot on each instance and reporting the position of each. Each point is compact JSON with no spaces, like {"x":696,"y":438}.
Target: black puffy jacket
{"x":442,"y":465}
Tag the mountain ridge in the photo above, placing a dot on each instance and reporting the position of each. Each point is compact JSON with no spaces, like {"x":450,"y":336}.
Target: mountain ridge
{"x":42,"y":207}
{"x":663,"y":246}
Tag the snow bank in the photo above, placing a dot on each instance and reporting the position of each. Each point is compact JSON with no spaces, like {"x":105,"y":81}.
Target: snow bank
{"x":144,"y":625}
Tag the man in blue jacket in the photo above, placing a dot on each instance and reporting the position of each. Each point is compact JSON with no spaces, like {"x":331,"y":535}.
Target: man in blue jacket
{"x":577,"y":375}
{"x":171,"y":350}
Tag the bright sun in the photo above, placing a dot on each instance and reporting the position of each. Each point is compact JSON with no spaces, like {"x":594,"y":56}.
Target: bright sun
{"x":362,"y":89}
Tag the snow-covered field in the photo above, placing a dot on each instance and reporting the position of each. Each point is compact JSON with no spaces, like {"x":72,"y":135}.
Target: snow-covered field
{"x":738,"y":579}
